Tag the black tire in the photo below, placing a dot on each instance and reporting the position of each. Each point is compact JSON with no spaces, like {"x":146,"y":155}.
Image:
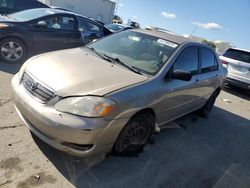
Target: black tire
{"x":19,"y":49}
{"x":136,"y":133}
{"x":206,"y":109}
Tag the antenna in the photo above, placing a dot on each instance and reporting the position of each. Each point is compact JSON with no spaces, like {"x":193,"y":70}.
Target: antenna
{"x":193,"y":32}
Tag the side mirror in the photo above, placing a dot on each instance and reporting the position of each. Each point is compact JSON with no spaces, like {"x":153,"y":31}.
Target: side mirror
{"x":41,"y":24}
{"x":181,"y":75}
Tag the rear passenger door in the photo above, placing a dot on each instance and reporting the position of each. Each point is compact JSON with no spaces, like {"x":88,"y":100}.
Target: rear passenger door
{"x":89,"y":30}
{"x":208,"y":77}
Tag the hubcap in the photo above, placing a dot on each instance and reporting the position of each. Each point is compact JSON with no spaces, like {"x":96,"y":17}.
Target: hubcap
{"x":136,"y":135}
{"x":12,"y":51}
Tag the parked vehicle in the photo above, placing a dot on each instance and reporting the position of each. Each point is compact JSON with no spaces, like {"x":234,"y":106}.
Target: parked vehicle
{"x":111,"y":94}
{"x":135,"y":24}
{"x":117,"y":19}
{"x":237,"y":62}
{"x":34,"y":31}
{"x":117,"y":27}
{"x":12,"y":6}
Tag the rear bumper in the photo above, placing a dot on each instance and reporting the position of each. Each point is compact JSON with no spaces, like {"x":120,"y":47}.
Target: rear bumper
{"x":238,"y":83}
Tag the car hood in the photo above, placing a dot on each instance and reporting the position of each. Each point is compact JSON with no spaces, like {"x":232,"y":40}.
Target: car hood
{"x":80,"y":72}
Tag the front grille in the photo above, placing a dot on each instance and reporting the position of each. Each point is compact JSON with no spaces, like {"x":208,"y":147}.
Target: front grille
{"x":37,"y":90}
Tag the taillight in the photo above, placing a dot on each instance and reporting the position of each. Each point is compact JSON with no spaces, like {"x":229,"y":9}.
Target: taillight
{"x":224,"y":62}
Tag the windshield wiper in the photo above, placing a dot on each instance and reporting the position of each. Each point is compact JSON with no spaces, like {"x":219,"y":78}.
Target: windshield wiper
{"x":111,"y":59}
{"x":117,"y":60}
{"x":100,"y":55}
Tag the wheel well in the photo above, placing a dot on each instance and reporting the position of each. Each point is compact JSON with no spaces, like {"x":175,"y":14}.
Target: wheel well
{"x":18,"y":38}
{"x":146,"y":110}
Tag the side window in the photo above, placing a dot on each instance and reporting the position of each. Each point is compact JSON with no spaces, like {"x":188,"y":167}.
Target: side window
{"x":188,"y":60}
{"x":83,"y":26}
{"x":93,"y":27}
{"x":87,"y":26}
{"x":58,"y":23}
{"x":68,"y":23}
{"x":208,"y":61}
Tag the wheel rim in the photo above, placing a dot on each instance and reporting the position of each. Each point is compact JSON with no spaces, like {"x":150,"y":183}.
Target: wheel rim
{"x":135,"y":136}
{"x":12,"y":51}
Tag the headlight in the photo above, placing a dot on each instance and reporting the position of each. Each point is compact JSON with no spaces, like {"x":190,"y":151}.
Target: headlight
{"x":88,"y":106}
{"x":2,"y":25}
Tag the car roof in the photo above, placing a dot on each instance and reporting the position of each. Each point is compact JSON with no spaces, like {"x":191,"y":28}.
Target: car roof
{"x":166,"y":36}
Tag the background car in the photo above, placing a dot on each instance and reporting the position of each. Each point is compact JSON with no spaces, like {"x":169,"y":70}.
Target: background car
{"x":117,"y":19}
{"x":35,"y":31}
{"x":134,"y":24}
{"x":11,"y":6}
{"x":237,"y":62}
{"x":113,"y":93}
{"x":117,"y":27}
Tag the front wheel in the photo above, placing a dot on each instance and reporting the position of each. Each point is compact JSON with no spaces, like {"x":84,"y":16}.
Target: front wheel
{"x":135,"y":134}
{"x":12,"y":50}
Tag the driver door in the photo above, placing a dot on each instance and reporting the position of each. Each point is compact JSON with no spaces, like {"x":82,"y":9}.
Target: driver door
{"x":181,"y":97}
{"x":55,"y":33}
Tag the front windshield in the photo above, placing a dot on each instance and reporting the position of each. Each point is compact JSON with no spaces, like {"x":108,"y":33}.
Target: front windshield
{"x":138,"y":50}
{"x":31,"y":14}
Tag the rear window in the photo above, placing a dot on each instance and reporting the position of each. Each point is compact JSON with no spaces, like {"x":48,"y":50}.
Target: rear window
{"x":208,"y":61}
{"x":238,"y":55}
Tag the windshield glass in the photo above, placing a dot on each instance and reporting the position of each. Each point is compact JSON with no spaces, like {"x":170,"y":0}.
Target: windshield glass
{"x":114,"y":27}
{"x":238,"y":55}
{"x":141,"y":51}
{"x":31,"y":14}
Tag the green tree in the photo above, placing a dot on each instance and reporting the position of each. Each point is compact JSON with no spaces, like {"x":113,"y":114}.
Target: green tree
{"x":209,"y":43}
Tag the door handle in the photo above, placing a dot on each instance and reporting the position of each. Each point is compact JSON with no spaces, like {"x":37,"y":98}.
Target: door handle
{"x":197,"y":80}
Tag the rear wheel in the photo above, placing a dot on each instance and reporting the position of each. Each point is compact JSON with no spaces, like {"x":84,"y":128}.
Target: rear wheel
{"x":135,"y":134}
{"x":206,"y":109}
{"x":12,"y":50}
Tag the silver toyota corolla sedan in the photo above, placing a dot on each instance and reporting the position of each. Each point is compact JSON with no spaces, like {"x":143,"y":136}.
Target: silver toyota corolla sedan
{"x":113,"y":93}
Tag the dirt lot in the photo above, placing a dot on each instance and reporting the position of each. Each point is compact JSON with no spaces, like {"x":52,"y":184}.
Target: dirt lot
{"x":192,"y":152}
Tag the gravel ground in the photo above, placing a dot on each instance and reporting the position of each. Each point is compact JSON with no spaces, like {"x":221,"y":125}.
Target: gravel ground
{"x":191,"y":152}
